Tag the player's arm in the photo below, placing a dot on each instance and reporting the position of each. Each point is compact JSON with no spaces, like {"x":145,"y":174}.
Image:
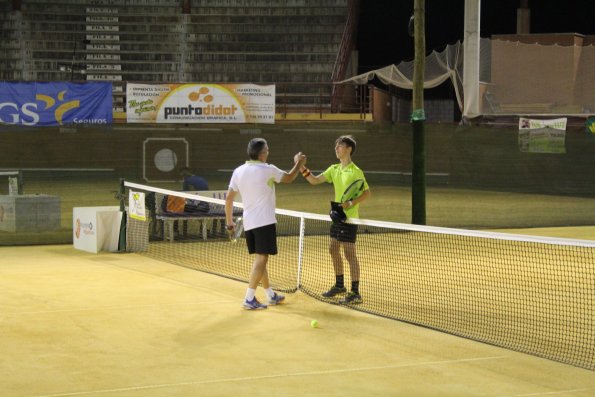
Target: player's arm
{"x":366,"y":194}
{"x":231,"y":194}
{"x":300,"y":160}
{"x":311,"y":178}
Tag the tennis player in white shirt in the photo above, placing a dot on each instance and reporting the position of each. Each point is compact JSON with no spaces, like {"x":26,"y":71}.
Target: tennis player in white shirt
{"x":255,"y":182}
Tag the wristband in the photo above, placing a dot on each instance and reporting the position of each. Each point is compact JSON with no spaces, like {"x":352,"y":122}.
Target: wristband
{"x":306,"y":173}
{"x":350,"y":203}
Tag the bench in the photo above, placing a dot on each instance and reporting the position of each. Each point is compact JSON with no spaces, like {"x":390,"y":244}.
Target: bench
{"x":206,"y":214}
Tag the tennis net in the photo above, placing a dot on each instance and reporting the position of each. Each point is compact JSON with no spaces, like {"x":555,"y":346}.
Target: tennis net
{"x":530,"y":294}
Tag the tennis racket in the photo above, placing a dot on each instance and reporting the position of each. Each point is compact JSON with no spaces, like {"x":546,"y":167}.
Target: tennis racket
{"x":236,"y":232}
{"x":353,"y":191}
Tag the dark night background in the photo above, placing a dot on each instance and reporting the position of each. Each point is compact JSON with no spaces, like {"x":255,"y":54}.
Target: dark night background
{"x":383,"y":38}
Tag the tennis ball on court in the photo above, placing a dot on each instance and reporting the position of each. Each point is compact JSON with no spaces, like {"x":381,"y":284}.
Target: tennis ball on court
{"x":314,"y":324}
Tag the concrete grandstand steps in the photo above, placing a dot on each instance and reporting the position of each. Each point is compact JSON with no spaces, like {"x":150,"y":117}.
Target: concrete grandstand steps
{"x":239,"y":41}
{"x":208,"y":12}
{"x":242,"y":19}
{"x":266,"y":46}
{"x":150,"y":75}
{"x":45,"y":59}
{"x":84,"y":9}
{"x":145,"y":4}
{"x":269,"y":11}
{"x":314,"y":51}
{"x":9,"y":50}
{"x":256,"y":57}
{"x":163,"y":33}
{"x":200,"y":4}
{"x":260,"y":67}
{"x":259,"y":29}
{"x":223,"y":20}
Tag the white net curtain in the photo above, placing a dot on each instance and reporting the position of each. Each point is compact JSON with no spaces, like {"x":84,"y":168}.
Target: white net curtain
{"x":515,"y":78}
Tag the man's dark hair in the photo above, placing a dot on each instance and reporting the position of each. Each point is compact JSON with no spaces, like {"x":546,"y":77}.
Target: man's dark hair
{"x":348,"y":140}
{"x":255,"y":147}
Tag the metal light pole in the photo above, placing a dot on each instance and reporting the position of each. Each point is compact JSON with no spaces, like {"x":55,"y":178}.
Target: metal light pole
{"x":418,"y":180}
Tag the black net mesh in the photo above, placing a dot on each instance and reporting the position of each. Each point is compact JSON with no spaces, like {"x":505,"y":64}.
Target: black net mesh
{"x":534,"y":295}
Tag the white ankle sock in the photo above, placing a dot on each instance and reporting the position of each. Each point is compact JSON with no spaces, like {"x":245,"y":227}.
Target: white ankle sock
{"x":270,"y":293}
{"x":250,"y":292}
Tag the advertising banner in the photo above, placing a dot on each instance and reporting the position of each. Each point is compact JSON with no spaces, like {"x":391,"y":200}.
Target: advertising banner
{"x":55,"y":103}
{"x":96,"y":229}
{"x":200,"y":103}
{"x":542,"y":136}
{"x":590,"y":126}
{"x":136,"y":205}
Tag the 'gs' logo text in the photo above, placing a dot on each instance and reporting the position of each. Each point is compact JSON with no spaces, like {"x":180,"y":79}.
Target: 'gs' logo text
{"x":27,"y":114}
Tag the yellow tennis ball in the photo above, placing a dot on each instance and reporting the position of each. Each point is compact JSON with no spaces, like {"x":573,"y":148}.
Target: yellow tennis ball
{"x":314,"y":324}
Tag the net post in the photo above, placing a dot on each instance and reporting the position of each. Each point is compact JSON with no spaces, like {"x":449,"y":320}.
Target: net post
{"x":121,"y":192}
{"x":300,"y":251}
{"x":20,"y":181}
{"x":123,"y":223}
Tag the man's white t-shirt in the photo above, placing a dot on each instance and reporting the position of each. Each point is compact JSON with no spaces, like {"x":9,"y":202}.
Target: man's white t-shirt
{"x":255,"y":181}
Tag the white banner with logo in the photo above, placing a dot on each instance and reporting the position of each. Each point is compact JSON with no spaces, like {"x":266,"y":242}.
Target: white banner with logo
{"x":542,"y":136}
{"x":136,"y":205}
{"x":96,"y":229}
{"x":200,"y":103}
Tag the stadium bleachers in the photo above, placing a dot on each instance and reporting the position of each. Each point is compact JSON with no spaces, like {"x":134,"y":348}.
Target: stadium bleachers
{"x":291,"y":43}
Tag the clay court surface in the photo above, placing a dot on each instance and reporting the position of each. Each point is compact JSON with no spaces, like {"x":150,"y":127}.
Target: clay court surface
{"x":79,"y":324}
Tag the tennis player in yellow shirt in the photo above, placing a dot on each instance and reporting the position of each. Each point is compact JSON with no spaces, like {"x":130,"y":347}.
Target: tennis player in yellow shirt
{"x":343,"y":234}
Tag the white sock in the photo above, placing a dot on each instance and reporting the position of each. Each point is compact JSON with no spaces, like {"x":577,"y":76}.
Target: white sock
{"x":270,"y":293}
{"x":250,"y":292}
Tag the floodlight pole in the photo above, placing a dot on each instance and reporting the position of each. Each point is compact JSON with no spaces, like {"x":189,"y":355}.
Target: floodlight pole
{"x":418,"y":179}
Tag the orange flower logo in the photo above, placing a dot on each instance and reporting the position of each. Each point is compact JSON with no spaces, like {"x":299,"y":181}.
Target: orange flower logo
{"x":202,"y":92}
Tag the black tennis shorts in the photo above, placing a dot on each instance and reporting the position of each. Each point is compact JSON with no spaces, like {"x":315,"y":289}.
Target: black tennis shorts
{"x":344,"y":232}
{"x":262,"y":240}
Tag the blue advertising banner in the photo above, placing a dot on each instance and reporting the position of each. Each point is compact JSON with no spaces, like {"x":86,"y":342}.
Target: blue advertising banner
{"x":55,"y":103}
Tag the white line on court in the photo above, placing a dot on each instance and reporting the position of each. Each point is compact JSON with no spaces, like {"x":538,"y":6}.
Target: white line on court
{"x":547,"y":393}
{"x":119,"y":307}
{"x":285,"y":375}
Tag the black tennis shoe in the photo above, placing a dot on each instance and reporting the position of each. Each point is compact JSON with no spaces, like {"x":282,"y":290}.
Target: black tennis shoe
{"x":352,"y":297}
{"x":334,"y":291}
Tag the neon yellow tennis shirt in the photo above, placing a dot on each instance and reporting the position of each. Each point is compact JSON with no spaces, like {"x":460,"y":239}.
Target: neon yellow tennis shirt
{"x":341,"y":178}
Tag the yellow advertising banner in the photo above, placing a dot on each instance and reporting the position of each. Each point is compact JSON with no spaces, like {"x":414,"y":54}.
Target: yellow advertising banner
{"x":200,"y":103}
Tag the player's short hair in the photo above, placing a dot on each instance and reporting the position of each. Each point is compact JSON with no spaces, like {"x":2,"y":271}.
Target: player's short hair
{"x":348,"y":140}
{"x":255,"y":147}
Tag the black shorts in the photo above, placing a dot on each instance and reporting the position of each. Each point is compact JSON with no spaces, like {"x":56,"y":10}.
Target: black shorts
{"x":262,"y":240}
{"x":344,"y":232}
